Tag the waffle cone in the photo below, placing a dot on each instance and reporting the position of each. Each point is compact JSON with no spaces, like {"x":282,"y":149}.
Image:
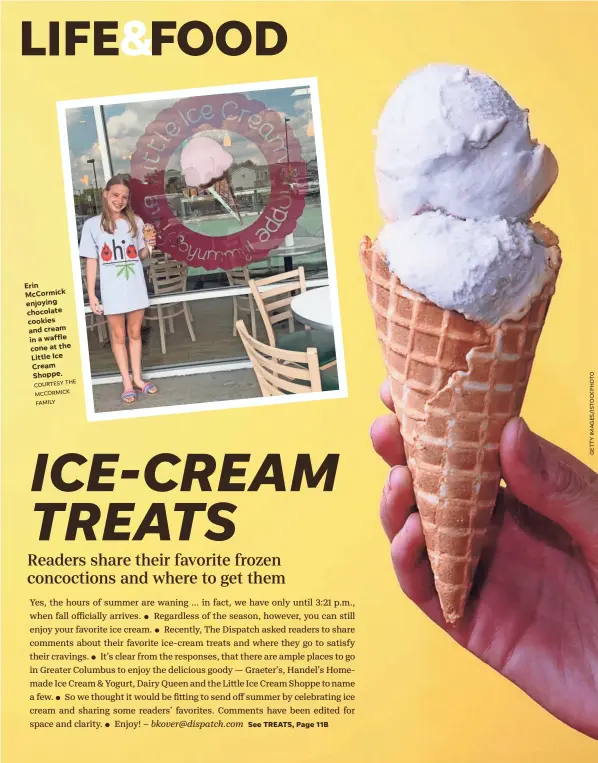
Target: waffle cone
{"x":222,"y":186}
{"x":455,"y":383}
{"x":149,"y":233}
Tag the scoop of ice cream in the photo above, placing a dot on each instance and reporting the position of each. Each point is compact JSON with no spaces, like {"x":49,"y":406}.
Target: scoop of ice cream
{"x":203,"y":160}
{"x":453,"y":139}
{"x":487,"y":270}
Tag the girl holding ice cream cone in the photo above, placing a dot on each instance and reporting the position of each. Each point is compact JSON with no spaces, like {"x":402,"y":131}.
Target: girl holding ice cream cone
{"x":114,"y":243}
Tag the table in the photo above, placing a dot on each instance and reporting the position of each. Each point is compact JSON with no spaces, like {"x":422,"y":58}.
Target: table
{"x":313,"y":308}
{"x":303,"y":246}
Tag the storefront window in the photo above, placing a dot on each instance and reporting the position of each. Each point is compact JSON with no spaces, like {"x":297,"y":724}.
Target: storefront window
{"x":219,"y":212}
{"x":212,"y":340}
{"x":249,"y":177}
{"x":87,"y":170}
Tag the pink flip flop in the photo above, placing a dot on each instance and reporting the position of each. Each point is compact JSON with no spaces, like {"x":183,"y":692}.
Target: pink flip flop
{"x":148,"y":389}
{"x":129,"y":397}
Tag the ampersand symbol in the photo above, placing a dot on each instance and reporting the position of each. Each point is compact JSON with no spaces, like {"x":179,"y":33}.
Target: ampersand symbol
{"x":133,"y":43}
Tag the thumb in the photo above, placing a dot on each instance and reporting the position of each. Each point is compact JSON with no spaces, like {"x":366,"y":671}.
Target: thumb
{"x":551,"y":481}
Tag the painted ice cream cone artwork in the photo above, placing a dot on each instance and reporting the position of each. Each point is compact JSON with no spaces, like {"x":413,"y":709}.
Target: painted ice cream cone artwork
{"x":460,"y":282}
{"x":205,"y":165}
{"x":222,"y":190}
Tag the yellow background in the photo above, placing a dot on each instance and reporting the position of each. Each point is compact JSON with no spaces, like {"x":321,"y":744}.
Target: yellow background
{"x":421,"y":699}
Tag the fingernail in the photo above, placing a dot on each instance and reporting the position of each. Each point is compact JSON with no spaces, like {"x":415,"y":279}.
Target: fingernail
{"x":386,"y":487}
{"x":386,"y":484}
{"x":391,"y":481}
{"x":530,"y":450}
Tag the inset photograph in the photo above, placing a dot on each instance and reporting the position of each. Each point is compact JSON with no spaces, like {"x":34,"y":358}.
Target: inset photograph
{"x":202,"y":249}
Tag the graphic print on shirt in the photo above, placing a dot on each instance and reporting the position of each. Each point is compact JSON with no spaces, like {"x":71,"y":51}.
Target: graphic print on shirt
{"x":116,"y":256}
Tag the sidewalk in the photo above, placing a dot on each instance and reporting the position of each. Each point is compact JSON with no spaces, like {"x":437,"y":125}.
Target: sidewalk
{"x":182,"y":390}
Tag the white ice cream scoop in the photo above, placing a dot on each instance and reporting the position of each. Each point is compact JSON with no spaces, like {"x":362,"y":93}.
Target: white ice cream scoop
{"x":453,"y":139}
{"x":487,"y":270}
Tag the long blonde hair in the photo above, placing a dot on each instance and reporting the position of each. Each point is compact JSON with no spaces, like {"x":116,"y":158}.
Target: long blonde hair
{"x":106,"y":223}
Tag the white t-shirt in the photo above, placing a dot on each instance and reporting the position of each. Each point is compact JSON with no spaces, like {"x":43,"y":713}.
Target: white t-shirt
{"x":122,"y":281}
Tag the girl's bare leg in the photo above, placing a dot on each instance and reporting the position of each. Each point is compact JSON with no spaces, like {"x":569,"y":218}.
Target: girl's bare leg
{"x":118,"y":339}
{"x":134,"y":321}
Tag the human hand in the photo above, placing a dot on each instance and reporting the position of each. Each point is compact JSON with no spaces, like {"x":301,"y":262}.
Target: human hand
{"x":94,"y":304}
{"x":533,"y":610}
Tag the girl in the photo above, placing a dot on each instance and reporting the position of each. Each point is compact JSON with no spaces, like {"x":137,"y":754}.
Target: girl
{"x":115,"y":240}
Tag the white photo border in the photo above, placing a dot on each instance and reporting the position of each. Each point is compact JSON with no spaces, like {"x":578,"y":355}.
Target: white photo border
{"x":92,"y":414}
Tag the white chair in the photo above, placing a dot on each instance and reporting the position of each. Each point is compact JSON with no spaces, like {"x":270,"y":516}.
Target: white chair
{"x":273,"y":296}
{"x":169,"y":277}
{"x":93,"y":322}
{"x":285,"y":372}
{"x":243,"y":303}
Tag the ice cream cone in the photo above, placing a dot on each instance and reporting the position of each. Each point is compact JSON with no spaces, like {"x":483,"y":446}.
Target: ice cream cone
{"x":149,"y":234}
{"x":224,"y":189}
{"x":220,"y":189}
{"x":455,"y":384}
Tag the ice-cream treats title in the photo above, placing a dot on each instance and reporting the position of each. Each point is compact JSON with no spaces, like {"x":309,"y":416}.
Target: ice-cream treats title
{"x":193,"y":475}
{"x":135,"y":38}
